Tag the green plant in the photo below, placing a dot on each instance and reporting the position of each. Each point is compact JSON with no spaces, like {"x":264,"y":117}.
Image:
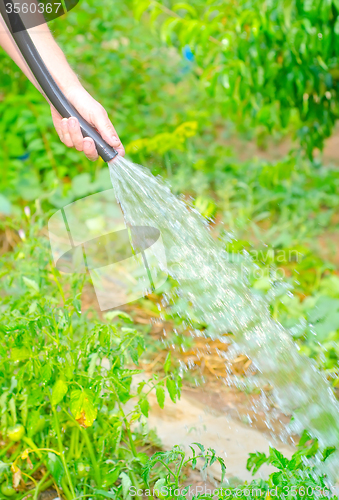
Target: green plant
{"x":167,"y":479}
{"x":70,"y":414}
{"x":275,"y":64}
{"x":296,"y":478}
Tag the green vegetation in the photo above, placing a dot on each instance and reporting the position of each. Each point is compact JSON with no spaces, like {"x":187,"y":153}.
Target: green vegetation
{"x":186,"y":96}
{"x":69,"y":409}
{"x":293,"y":478}
{"x":274,"y":66}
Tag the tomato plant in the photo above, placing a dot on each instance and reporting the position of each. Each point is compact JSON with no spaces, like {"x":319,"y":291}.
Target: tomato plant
{"x":67,"y":378}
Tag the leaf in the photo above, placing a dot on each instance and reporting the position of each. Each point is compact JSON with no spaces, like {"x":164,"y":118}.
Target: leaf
{"x":55,"y":467}
{"x":277,"y":459}
{"x":327,"y":452}
{"x":167,"y":364}
{"x":126,"y":484}
{"x":160,"y":393}
{"x":144,"y":407}
{"x":31,"y":284}
{"x":255,"y":461}
{"x":185,"y":6}
{"x":17,"y":476}
{"x":112,"y":476}
{"x":20,"y":353}
{"x":305,"y":437}
{"x":105,"y":493}
{"x":200,"y":446}
{"x":3,"y":468}
{"x":275,"y":477}
{"x":59,"y":390}
{"x":172,"y":389}
{"x":160,"y":483}
{"x":93,"y":363}
{"x":120,"y":314}
{"x":82,"y":407}
{"x":223,"y":468}
{"x":36,"y":145}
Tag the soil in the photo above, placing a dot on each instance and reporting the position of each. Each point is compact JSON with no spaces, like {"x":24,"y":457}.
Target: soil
{"x":211,"y":371}
{"x":275,"y":149}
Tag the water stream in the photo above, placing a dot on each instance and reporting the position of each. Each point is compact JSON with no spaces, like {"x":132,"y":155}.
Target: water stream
{"x":218,"y":293}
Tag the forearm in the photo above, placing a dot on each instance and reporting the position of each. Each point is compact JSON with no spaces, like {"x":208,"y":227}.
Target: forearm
{"x":50,"y":52}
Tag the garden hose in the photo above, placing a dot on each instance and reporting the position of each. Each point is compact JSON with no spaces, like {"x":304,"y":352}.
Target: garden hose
{"x":56,"y":97}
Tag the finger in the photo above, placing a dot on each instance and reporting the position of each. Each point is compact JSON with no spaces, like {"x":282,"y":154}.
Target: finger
{"x":116,"y":143}
{"x":75,"y":133}
{"x":107,"y":131}
{"x":57,"y":122}
{"x":67,"y":140}
{"x":90,"y":149}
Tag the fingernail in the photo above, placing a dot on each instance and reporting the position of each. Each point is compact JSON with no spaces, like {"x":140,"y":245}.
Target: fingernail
{"x":72,"y":122}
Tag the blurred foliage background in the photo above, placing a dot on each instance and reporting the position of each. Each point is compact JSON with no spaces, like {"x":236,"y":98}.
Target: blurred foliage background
{"x":231,"y":102}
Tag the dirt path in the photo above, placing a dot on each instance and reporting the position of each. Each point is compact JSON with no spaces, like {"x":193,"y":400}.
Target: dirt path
{"x":190,"y":420}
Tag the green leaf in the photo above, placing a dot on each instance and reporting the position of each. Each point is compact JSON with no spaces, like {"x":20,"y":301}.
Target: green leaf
{"x":185,"y":6}
{"x":20,"y":353}
{"x":167,"y":364}
{"x":59,"y":390}
{"x":82,"y":407}
{"x":172,"y":389}
{"x":3,"y":468}
{"x":275,"y":477}
{"x":277,"y":459}
{"x":223,"y":468}
{"x":55,"y":467}
{"x":160,"y":393}
{"x":160,"y":483}
{"x":112,"y":476}
{"x":144,"y":406}
{"x":120,"y":314}
{"x":126,"y":483}
{"x":31,"y":284}
{"x":105,"y":493}
{"x":200,"y":446}
{"x":92,"y":365}
{"x":255,"y":461}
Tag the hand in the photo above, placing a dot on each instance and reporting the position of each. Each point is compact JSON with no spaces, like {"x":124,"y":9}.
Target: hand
{"x":69,"y":129}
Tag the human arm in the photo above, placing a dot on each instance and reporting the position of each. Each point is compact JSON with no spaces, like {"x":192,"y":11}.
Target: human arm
{"x":68,"y":129}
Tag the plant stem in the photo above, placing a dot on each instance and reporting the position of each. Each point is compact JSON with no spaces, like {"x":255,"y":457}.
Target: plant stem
{"x":71,"y":446}
{"x":4,"y":450}
{"x":136,"y":484}
{"x":41,"y":484}
{"x":32,"y":445}
{"x":130,"y":438}
{"x":92,"y":457}
{"x":62,"y":453}
{"x":66,"y":491}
